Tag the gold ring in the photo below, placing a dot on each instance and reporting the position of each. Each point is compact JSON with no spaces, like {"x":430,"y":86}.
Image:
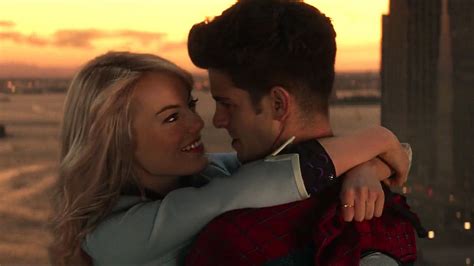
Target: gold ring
{"x":347,"y":205}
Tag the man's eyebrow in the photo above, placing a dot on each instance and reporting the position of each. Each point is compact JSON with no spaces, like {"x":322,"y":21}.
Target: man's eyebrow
{"x":167,"y":108}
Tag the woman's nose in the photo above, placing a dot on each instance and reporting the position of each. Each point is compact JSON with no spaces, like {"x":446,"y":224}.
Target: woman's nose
{"x":197,"y":124}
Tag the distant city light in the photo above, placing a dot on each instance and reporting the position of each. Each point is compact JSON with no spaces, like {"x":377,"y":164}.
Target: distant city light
{"x":468,"y":261}
{"x":431,"y":234}
{"x":467,"y":225}
{"x":458,"y":215}
{"x":451,"y":198}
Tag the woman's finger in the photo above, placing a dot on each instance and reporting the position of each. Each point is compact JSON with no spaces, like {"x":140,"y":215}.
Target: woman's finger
{"x":370,"y":206}
{"x":379,"y":203}
{"x":360,"y":204}
{"x":347,"y":202}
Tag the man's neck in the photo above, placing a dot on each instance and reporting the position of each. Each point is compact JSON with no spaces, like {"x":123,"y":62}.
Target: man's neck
{"x":318,"y":127}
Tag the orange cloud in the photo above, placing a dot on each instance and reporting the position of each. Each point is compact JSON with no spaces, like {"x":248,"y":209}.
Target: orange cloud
{"x":7,"y":24}
{"x":83,"y":39}
{"x":76,"y":38}
{"x":17,"y":37}
{"x":173,"y":46}
{"x":144,"y":37}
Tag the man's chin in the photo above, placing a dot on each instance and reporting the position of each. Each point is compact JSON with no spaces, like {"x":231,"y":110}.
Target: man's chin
{"x":245,"y":158}
{"x":238,"y":149}
{"x":241,"y":158}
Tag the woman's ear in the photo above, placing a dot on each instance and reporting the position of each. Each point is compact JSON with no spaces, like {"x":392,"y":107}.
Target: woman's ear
{"x":280,"y":100}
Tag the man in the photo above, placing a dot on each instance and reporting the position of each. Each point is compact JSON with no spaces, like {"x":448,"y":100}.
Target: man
{"x":271,"y":71}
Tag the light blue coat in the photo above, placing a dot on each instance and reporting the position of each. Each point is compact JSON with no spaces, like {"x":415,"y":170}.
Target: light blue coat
{"x":158,"y":232}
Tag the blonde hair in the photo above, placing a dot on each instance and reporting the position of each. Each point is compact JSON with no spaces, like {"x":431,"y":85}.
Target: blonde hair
{"x":96,"y":160}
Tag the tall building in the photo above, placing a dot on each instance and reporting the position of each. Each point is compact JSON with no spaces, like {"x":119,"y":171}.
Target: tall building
{"x":427,"y":84}
{"x":462,"y":50}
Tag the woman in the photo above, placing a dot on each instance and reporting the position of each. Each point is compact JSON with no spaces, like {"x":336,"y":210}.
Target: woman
{"x":134,"y":183}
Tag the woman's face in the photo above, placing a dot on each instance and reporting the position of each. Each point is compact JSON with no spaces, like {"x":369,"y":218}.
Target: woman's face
{"x":166,"y":127}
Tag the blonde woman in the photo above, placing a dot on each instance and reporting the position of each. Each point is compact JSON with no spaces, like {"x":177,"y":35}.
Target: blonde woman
{"x":134,"y":183}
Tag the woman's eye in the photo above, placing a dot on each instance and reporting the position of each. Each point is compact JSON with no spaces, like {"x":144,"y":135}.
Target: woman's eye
{"x":171,"y":118}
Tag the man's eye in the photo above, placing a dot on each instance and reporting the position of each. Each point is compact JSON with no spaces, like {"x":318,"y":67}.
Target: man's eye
{"x":172,"y":118}
{"x":192,"y":104}
{"x":224,"y":104}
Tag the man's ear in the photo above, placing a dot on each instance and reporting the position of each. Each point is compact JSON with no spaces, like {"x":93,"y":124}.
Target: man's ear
{"x":280,"y":99}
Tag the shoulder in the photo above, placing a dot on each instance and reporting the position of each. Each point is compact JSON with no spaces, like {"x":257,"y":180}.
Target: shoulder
{"x":221,"y":164}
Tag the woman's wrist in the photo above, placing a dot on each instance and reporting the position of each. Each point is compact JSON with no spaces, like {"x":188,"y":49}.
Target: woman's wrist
{"x":375,"y":167}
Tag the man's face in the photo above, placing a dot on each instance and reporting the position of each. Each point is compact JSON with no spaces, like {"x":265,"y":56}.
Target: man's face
{"x":252,"y":134}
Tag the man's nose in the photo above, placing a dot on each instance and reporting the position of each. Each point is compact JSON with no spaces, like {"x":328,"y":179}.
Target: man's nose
{"x":221,"y":118}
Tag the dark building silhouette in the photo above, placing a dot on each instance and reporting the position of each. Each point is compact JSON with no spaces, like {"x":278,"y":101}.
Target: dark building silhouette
{"x":462,"y":50}
{"x":427,"y":84}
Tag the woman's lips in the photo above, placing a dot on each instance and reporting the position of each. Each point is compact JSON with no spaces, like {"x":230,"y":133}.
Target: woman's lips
{"x":196,"y":146}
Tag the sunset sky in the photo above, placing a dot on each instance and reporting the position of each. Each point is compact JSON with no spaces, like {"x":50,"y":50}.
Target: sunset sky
{"x":67,"y":33}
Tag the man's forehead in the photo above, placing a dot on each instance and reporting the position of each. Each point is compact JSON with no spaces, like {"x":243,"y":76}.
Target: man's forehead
{"x":225,"y":93}
{"x":220,"y":78}
{"x":222,"y":86}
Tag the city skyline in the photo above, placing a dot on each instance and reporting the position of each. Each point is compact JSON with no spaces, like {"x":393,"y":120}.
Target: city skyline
{"x":426,"y":87}
{"x":51,"y":36}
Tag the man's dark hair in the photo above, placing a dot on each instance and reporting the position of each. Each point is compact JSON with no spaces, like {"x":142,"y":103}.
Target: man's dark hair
{"x":265,"y":43}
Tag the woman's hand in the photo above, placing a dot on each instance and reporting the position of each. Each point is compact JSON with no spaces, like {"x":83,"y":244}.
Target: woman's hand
{"x":362,"y":196}
{"x":356,"y":148}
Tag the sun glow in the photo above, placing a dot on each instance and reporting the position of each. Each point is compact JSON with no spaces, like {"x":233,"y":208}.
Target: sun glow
{"x":65,"y":34}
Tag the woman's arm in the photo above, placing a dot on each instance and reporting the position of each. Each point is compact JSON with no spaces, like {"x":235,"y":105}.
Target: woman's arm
{"x":150,"y":230}
{"x":351,"y":150}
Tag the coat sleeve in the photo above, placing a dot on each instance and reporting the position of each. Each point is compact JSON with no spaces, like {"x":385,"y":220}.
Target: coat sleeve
{"x":226,"y":163}
{"x":149,"y":230}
